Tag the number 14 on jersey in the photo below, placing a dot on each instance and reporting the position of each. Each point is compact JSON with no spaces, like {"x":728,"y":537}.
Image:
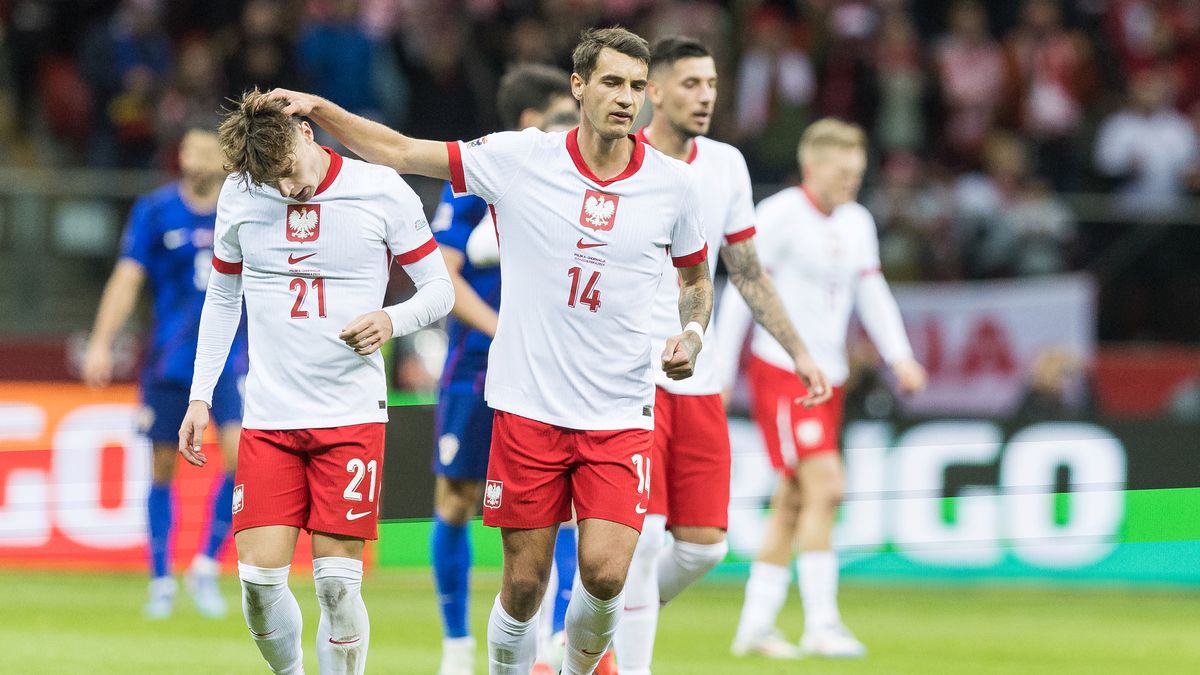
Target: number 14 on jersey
{"x":591,"y":294}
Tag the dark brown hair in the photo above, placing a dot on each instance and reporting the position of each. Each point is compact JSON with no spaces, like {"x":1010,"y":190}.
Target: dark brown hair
{"x":258,"y":139}
{"x":530,"y":87}
{"x":592,"y":41}
{"x":666,"y":51}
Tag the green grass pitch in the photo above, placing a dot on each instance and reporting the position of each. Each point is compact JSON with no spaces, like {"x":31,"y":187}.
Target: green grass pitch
{"x":59,"y":622}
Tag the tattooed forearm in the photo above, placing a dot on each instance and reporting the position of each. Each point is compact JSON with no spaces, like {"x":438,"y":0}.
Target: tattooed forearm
{"x":695,"y":295}
{"x":747,"y":275}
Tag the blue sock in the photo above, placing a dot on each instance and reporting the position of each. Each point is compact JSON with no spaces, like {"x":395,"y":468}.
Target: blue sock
{"x":159,"y":510}
{"x":222,"y":516}
{"x":451,"y":552}
{"x":565,"y":560}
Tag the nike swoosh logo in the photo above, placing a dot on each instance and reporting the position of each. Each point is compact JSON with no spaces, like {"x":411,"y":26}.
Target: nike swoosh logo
{"x":590,"y":653}
{"x":351,"y":515}
{"x":293,"y":259}
{"x":262,"y":635}
{"x":639,"y":509}
{"x":581,"y":245}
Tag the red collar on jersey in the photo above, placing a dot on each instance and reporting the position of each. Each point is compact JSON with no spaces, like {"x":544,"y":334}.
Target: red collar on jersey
{"x":335,"y":166}
{"x":635,"y":159}
{"x":814,"y":201}
{"x":641,"y":134}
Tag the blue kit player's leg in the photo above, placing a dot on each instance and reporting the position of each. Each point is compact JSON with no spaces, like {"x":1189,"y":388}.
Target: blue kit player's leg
{"x":565,"y":563}
{"x":463,"y":431}
{"x":164,"y":404}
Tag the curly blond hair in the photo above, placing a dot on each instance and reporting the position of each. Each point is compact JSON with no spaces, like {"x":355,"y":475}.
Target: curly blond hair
{"x":257,"y":139}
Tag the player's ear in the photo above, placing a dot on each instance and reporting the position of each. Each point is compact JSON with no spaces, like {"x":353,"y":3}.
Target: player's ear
{"x":653,"y":93}
{"x":577,"y":83}
{"x":306,"y":130}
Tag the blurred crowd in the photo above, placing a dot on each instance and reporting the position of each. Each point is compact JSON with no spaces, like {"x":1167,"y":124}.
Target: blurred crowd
{"x":981,"y":114}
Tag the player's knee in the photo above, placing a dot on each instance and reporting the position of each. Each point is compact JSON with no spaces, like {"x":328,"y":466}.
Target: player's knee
{"x":604,"y":582}
{"x":522,"y":593}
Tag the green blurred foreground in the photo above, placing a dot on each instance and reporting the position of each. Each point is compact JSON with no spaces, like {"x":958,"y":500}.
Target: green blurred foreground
{"x":58,"y":622}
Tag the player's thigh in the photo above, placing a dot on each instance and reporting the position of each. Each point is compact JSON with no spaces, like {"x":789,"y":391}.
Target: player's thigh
{"x":456,"y":501}
{"x":696,"y":477}
{"x":820,"y":478}
{"x":345,"y":477}
{"x":325,"y":545}
{"x":612,"y":479}
{"x":164,"y":404}
{"x":267,"y":546}
{"x":528,"y":474}
{"x":270,"y":483}
{"x":605,"y":551}
{"x":464,"y":436}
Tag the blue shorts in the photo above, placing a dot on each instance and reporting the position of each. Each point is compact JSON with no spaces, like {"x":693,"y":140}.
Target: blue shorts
{"x":164,"y":403}
{"x":463,"y":436}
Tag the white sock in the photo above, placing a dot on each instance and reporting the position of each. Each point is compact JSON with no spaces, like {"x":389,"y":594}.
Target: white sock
{"x":204,"y":566}
{"x":766,"y":590}
{"x":273,"y":617}
{"x":512,"y":644}
{"x":634,"y":640}
{"x":591,"y":623}
{"x":344,"y":631}
{"x":818,"y":588}
{"x":684,"y":563}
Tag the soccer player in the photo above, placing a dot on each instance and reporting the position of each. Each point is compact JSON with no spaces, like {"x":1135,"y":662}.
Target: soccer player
{"x":308,"y":237}
{"x":585,"y":220}
{"x":821,"y":247}
{"x":169,"y":241}
{"x":691,"y":436}
{"x":529,"y":96}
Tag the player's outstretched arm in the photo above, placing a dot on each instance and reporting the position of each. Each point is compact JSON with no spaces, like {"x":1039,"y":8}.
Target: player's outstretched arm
{"x":695,"y":310}
{"x":374,"y":142}
{"x":468,"y":306}
{"x":116,"y":304}
{"x":756,"y":288}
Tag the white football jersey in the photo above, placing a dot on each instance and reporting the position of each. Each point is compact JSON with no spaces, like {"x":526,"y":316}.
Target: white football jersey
{"x":817,"y":262}
{"x":580,"y":262}
{"x":308,"y":269}
{"x":723,"y":183}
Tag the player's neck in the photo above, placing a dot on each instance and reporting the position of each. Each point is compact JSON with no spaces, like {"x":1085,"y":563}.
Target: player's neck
{"x":605,"y":157}
{"x":196,"y":202}
{"x":668,"y":141}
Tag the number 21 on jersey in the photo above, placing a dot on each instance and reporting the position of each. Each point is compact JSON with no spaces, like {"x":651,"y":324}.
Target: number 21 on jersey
{"x":300,"y":287}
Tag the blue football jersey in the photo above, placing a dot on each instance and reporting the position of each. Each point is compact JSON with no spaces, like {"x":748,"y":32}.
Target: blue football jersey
{"x":175,"y":247}
{"x":453,"y":222}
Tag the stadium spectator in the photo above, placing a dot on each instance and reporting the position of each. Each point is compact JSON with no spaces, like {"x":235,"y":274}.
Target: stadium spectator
{"x":338,"y":60}
{"x":1148,"y":148}
{"x":775,"y":88}
{"x":259,"y":50}
{"x":1051,"y":77}
{"x":969,"y":63}
{"x":191,"y":100}
{"x":914,"y":211}
{"x":900,"y":84}
{"x":126,"y":61}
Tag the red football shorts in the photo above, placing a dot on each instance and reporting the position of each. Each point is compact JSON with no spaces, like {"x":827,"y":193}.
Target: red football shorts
{"x":790,"y":431}
{"x":323,"y":480}
{"x":537,"y":470}
{"x":691,"y":460}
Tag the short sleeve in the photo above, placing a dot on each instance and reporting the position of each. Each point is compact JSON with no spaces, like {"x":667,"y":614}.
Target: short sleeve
{"x":138,"y":240}
{"x":487,"y":166}
{"x":739,"y":220}
{"x":688,"y":246}
{"x":456,"y":217}
{"x":408,"y":233}
{"x":227,"y":249}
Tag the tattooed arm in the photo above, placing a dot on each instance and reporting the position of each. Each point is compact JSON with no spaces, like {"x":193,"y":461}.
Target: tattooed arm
{"x":747,"y":275}
{"x":695,"y":307}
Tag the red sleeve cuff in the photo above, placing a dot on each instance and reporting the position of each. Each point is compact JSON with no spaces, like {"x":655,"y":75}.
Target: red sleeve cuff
{"x":740,"y":235}
{"x":458,"y":181}
{"x":227,"y":267}
{"x":417,"y":253}
{"x":691,"y":258}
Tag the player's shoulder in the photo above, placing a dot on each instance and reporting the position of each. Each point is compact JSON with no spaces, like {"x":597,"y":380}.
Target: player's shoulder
{"x":160,"y":197}
{"x":706,"y":146}
{"x":859,"y":214}
{"x":664,"y":167}
{"x":788,"y":200}
{"x":523,"y":138}
{"x":376,"y":180}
